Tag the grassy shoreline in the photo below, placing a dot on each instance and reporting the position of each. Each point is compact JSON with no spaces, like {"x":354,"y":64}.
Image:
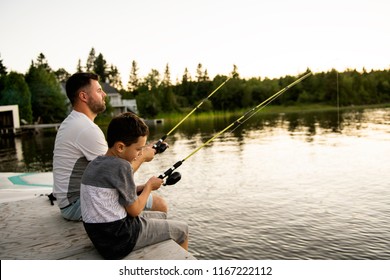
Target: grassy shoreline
{"x":271,"y":109}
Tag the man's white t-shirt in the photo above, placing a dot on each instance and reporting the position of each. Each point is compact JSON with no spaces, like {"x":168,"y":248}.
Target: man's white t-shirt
{"x":79,"y":140}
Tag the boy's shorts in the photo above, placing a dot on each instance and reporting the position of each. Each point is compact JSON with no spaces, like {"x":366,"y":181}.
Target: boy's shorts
{"x":149,"y":202}
{"x":156,"y":228}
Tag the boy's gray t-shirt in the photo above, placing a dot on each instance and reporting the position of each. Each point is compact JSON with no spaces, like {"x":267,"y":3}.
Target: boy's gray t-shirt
{"x":107,"y":187}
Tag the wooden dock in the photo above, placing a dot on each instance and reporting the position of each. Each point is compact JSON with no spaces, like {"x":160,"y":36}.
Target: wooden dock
{"x":33,"y":229}
{"x":36,"y":128}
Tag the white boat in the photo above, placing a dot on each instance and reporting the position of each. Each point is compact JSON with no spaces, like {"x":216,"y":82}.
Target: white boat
{"x":20,"y":186}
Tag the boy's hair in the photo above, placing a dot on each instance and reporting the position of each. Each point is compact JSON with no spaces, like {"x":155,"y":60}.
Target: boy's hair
{"x":76,"y":82}
{"x":127,"y":128}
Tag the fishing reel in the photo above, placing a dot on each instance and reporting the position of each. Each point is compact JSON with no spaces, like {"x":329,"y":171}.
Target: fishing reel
{"x":160,"y":146}
{"x":172,"y":179}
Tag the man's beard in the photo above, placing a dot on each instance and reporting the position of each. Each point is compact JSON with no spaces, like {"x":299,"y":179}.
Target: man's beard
{"x":97,"y":107}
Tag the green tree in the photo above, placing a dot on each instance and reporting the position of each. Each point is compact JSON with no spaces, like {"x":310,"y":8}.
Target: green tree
{"x":167,"y":97}
{"x":152,"y":80}
{"x":201,"y":76}
{"x":16,"y":91}
{"x":230,"y":96}
{"x":90,"y":61}
{"x":206,"y":76}
{"x":79,"y":68}
{"x":43,"y":63}
{"x":100,"y":68}
{"x":62,"y":75}
{"x":147,"y":104}
{"x":114,"y":77}
{"x":186,"y":76}
{"x":199,"y":73}
{"x":47,"y":101}
{"x":3,"y":73}
{"x":148,"y":97}
{"x":3,"y":69}
{"x":234,"y":73}
{"x":133,"y":83}
{"x":166,"y":81}
{"x":184,"y":89}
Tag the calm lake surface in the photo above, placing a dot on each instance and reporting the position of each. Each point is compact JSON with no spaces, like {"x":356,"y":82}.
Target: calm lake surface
{"x":312,"y":185}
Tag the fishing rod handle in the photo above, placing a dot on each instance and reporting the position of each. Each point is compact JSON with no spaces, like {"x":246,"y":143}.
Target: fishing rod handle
{"x":170,"y":170}
{"x":160,"y":146}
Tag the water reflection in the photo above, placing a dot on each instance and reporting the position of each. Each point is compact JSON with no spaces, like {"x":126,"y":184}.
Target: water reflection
{"x":308,"y":124}
{"x":281,"y":186}
{"x":28,"y":153}
{"x":34,"y":152}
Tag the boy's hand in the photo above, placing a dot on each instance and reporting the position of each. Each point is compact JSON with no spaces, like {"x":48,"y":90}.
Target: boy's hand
{"x":155,"y":182}
{"x":148,"y":153}
{"x":160,"y":147}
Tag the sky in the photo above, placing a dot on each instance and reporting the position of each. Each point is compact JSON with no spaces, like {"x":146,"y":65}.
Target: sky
{"x":263,"y":38}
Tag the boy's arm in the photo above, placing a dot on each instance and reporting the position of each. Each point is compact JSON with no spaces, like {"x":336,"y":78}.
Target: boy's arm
{"x":136,"y":208}
{"x":140,"y":188}
{"x":147,"y":155}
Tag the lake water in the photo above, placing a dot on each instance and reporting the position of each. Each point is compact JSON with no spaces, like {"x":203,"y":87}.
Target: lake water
{"x":312,"y":185}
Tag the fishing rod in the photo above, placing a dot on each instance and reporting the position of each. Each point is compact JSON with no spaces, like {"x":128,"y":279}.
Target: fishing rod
{"x":160,"y":146}
{"x":174,"y":177}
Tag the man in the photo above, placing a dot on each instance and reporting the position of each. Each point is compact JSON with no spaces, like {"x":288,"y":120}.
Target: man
{"x":79,"y":140}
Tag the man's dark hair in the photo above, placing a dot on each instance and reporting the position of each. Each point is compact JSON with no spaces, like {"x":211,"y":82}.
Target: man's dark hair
{"x":127,"y":128}
{"x":76,"y":82}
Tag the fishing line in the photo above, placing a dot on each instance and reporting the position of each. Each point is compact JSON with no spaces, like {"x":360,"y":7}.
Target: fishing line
{"x":338,"y":102}
{"x":159,"y":146}
{"x":175,"y":176}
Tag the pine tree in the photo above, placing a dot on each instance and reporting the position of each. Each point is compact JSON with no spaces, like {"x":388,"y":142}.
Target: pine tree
{"x":100,"y":68}
{"x":3,"y":69}
{"x":79,"y":67}
{"x":234,"y":73}
{"x":186,"y":76}
{"x":166,"y":82}
{"x":199,"y":73}
{"x":90,"y":61}
{"x":133,"y":83}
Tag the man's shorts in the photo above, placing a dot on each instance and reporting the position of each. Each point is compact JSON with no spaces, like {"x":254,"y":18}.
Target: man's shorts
{"x":72,"y":212}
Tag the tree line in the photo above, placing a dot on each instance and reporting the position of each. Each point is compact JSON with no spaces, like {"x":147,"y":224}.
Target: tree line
{"x":39,"y":96}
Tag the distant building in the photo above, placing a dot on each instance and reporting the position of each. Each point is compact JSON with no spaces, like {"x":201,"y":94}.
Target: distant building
{"x":118,"y":104}
{"x":9,"y":119}
{"x":131,"y":105}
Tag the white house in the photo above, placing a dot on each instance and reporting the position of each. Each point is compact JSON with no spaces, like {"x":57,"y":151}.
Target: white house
{"x":118,"y":104}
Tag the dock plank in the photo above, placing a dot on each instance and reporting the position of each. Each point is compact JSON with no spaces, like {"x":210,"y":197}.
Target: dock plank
{"x":33,"y":229}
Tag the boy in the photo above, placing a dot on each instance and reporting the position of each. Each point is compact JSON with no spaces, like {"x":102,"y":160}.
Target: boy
{"x":110,"y":206}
